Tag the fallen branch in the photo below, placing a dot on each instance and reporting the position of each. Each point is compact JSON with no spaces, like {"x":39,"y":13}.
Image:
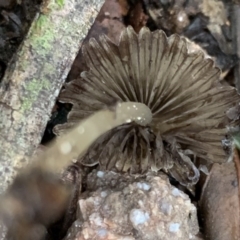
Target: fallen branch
{"x":35,"y":76}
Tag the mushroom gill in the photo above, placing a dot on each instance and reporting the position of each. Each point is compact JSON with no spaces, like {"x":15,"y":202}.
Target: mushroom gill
{"x":182,"y":90}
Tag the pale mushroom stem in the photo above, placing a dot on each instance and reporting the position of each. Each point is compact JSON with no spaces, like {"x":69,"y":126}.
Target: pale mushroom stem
{"x":58,"y":156}
{"x":77,"y":141}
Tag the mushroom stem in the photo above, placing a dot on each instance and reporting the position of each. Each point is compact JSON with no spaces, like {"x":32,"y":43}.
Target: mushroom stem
{"x":77,"y":141}
{"x":53,"y":160}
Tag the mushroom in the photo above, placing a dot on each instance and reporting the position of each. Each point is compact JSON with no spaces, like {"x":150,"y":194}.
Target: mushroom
{"x":145,"y":104}
{"x":186,"y":104}
{"x":37,"y":197}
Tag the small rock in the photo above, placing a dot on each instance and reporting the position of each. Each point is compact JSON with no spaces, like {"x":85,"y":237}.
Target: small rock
{"x":134,"y":209}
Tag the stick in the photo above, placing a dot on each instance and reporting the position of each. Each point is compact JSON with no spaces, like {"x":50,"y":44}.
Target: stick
{"x":35,"y":76}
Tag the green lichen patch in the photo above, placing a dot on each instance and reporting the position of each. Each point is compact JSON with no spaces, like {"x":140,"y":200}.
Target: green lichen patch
{"x":41,"y":22}
{"x":60,"y":3}
{"x":33,"y":88}
{"x":52,"y":5}
{"x":43,"y":38}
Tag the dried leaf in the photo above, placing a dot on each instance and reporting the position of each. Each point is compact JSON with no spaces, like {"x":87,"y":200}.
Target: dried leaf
{"x":219,"y":203}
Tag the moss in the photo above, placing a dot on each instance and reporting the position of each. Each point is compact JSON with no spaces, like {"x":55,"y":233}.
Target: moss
{"x":33,"y":88}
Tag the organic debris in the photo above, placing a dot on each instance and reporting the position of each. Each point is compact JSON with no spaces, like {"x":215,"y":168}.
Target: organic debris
{"x":205,"y":22}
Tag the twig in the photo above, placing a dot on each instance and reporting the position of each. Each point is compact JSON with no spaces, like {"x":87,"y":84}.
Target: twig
{"x":35,"y":76}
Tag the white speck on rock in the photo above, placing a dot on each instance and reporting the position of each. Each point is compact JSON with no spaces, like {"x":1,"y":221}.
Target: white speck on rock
{"x":137,"y":217}
{"x":95,"y":219}
{"x":100,"y":174}
{"x":65,"y":147}
{"x":143,"y":186}
{"x":166,"y":208}
{"x":102,"y":232}
{"x":104,"y":194}
{"x":174,"y":227}
{"x":176,"y":192}
{"x":146,"y":186}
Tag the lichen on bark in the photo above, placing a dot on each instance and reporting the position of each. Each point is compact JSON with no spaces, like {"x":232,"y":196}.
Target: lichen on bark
{"x":34,"y":78}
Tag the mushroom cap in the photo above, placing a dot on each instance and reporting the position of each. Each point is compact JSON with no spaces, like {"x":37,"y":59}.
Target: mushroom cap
{"x":182,"y":89}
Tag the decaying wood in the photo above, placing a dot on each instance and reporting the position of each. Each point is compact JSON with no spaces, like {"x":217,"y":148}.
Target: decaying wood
{"x":34,"y":78}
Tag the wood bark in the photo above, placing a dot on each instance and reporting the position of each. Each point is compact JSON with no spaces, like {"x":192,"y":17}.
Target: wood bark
{"x":35,"y":76}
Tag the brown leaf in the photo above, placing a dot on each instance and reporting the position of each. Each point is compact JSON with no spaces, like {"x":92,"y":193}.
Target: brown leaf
{"x":219,"y":203}
{"x":137,"y":17}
